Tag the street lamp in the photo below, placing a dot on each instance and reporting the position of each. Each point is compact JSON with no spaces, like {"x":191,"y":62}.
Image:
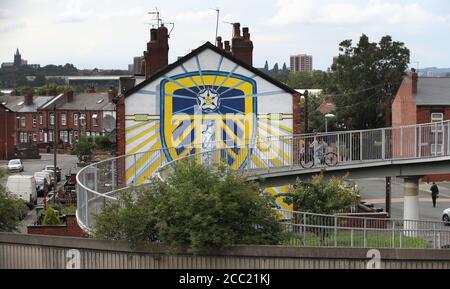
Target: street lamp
{"x":327,"y":116}
{"x":6,"y":133}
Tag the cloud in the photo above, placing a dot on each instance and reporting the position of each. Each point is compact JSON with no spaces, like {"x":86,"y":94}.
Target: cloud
{"x":343,"y":13}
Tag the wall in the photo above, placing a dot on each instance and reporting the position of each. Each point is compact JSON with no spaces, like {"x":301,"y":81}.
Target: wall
{"x":7,"y":130}
{"x":404,"y":105}
{"x":43,"y":252}
{"x":70,"y":229}
{"x":164,"y":114}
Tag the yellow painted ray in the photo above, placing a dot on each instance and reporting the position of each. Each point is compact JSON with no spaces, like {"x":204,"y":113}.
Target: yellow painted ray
{"x":265,"y":151}
{"x":144,"y":143}
{"x":148,"y":173}
{"x":280,"y":125}
{"x":149,"y":130}
{"x":136,"y":126}
{"x":186,"y":132}
{"x":142,"y":160}
{"x":277,"y":150}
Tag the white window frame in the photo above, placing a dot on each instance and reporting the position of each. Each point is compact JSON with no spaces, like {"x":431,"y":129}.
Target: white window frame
{"x":52,"y":118}
{"x":95,"y":119}
{"x":23,"y":121}
{"x":34,"y":137}
{"x":75,"y":119}
{"x":435,"y":118}
{"x":34,"y":120}
{"x":41,"y":118}
{"x":63,"y":119}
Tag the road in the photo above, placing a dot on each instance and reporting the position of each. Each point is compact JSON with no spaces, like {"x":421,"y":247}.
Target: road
{"x":67,"y":163}
{"x":373,"y":191}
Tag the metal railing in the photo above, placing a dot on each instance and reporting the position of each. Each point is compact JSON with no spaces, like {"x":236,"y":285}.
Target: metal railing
{"x":100,"y":183}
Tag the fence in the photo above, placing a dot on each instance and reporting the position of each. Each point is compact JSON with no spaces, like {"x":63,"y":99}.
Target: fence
{"x":100,"y":183}
{"x":318,"y":230}
{"x":18,"y":251}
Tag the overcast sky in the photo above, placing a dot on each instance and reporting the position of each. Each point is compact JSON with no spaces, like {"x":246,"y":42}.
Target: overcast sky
{"x":108,"y":33}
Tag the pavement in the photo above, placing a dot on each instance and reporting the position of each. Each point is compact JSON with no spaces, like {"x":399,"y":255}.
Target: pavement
{"x":67,"y":164}
{"x":373,"y":192}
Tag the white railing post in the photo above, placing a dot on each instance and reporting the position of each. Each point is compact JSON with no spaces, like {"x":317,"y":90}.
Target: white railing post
{"x":351,"y":146}
{"x":393,"y":234}
{"x":335,"y":231}
{"x":401,"y":142}
{"x":134,"y":180}
{"x":360,"y":147}
{"x":383,"y":144}
{"x":434,"y":235}
{"x":420,"y":142}
{"x":365,"y":233}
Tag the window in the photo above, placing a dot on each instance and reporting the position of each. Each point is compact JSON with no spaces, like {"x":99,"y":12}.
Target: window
{"x":63,"y":119}
{"x":75,"y":134}
{"x":52,"y":119}
{"x":95,"y":119}
{"x":34,"y":137}
{"x":437,"y":117}
{"x":41,"y":136}
{"x":64,"y":135}
{"x":23,"y":137}
{"x":41,"y":119}
{"x":75,"y":119}
{"x":83,"y":119}
{"x":50,"y":136}
{"x":23,"y":121}
{"x":34,"y":120}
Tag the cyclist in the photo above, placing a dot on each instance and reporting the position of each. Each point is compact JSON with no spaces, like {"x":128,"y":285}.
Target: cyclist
{"x":319,"y":147}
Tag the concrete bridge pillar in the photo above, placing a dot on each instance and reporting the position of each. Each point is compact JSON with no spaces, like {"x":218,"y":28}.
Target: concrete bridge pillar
{"x":410,"y":205}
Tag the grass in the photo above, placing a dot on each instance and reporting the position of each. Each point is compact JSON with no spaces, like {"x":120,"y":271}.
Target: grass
{"x":344,"y":239}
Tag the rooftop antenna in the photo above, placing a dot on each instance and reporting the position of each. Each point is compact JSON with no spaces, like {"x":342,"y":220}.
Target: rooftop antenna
{"x":156,"y":12}
{"x":217,"y":23}
{"x":170,"y":23}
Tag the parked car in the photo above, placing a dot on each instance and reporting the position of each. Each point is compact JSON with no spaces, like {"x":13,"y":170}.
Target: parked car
{"x":446,"y":217}
{"x":45,"y":175}
{"x":41,"y":186}
{"x":350,"y":184}
{"x":52,"y":177}
{"x":24,"y":187}
{"x":58,"y":171}
{"x":15,"y":165}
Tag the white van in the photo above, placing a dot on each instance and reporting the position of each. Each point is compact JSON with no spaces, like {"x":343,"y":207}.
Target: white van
{"x":24,"y":187}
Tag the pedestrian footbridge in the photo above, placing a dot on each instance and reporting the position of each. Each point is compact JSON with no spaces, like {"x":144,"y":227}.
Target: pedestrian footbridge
{"x":408,"y":152}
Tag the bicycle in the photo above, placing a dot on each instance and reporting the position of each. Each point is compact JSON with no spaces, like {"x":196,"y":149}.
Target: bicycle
{"x":308,"y":160}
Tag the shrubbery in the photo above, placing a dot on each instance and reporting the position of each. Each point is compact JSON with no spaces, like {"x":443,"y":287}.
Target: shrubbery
{"x":199,"y":207}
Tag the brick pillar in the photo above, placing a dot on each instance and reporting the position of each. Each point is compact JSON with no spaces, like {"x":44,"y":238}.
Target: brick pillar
{"x":296,"y":146}
{"x":121,"y":139}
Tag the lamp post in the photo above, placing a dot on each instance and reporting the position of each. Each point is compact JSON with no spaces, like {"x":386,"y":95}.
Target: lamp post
{"x":327,"y":116}
{"x":6,"y":134}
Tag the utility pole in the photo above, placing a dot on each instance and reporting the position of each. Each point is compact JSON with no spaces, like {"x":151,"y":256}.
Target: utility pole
{"x":388,"y":124}
{"x":217,"y":24}
{"x":55,"y":145}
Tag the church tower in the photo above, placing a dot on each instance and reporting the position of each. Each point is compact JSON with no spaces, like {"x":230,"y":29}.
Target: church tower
{"x":17,"y":59}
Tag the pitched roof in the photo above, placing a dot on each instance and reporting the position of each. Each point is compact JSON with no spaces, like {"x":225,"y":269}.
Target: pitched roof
{"x":225,"y":54}
{"x":82,"y":101}
{"x":433,"y":91}
{"x":16,"y":103}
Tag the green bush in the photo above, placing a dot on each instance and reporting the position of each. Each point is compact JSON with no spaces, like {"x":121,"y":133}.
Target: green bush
{"x":51,"y":217}
{"x":12,"y":210}
{"x":83,"y":148}
{"x":199,"y":207}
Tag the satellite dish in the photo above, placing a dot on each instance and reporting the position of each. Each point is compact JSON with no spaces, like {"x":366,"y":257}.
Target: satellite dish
{"x":109,"y":123}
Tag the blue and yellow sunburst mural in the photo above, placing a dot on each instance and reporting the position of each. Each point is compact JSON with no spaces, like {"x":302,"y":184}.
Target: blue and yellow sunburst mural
{"x":202,"y":109}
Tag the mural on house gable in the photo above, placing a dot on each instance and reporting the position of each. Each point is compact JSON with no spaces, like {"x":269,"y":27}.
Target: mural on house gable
{"x":205,"y":103}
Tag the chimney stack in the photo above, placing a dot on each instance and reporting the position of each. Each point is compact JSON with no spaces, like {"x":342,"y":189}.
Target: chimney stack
{"x":242,"y":46}
{"x":68,"y":96}
{"x":219,"y":42}
{"x":157,"y":54}
{"x":111,"y":94}
{"x":414,"y":79}
{"x":29,"y":97}
{"x":227,"y":46}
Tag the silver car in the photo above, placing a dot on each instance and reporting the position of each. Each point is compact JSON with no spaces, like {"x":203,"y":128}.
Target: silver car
{"x":446,"y":217}
{"x":15,"y":165}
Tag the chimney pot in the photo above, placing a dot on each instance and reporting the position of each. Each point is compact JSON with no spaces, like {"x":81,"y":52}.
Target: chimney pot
{"x":227,"y":46}
{"x":111,"y":94}
{"x":237,"y":30}
{"x":245,"y":33}
{"x":219,"y":42}
{"x":153,"y":33}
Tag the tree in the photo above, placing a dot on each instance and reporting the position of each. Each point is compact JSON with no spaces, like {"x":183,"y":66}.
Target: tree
{"x":201,"y":207}
{"x":285,"y":69}
{"x":11,"y":210}
{"x":321,"y":197}
{"x":275,"y":68}
{"x":360,"y":76}
{"x":51,"y":217}
{"x":83,"y":148}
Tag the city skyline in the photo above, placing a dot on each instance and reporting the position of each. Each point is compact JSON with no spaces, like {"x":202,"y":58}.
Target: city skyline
{"x":108,"y":34}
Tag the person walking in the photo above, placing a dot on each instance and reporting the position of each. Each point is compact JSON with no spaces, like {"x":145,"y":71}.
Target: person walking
{"x":434,"y":193}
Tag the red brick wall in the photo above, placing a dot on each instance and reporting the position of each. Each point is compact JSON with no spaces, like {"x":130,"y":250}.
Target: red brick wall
{"x":404,"y":106}
{"x":70,"y":229}
{"x":7,"y":133}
